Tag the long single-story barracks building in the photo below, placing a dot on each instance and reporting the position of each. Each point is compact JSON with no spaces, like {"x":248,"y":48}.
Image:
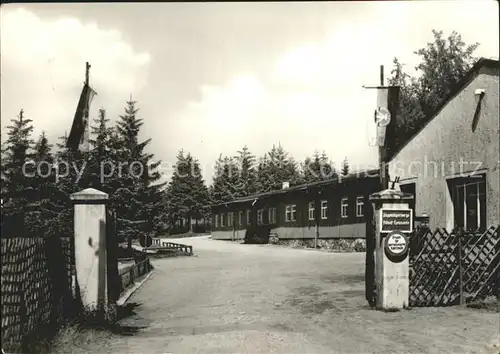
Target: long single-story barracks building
{"x":332,"y":209}
{"x":451,"y":164}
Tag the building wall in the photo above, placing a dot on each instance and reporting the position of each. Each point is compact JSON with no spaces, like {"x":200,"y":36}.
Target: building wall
{"x":436,"y":152}
{"x":302,"y":228}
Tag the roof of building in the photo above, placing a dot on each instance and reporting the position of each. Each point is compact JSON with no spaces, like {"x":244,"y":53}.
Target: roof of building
{"x":456,"y":89}
{"x":351,"y":176}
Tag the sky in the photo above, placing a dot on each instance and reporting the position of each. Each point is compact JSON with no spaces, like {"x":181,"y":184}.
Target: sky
{"x":210,"y":78}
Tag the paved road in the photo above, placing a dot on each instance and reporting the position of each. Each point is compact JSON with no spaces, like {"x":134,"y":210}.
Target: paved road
{"x":235,"y":298}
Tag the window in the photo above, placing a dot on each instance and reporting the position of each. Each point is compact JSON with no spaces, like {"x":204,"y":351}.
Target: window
{"x":230,"y":219}
{"x":221,"y":220}
{"x":360,"y":203}
{"x":240,"y":218}
{"x":469,"y":202}
{"x":216,"y":220}
{"x":311,"y":210}
{"x":290,"y":213}
{"x":343,"y":207}
{"x":248,"y":217}
{"x":324,"y":209}
{"x":272,"y":215}
{"x":260,"y":216}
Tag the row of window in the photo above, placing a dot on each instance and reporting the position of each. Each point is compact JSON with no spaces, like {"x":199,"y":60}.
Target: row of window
{"x":291,"y":213}
{"x":219,"y":219}
{"x":344,"y":208}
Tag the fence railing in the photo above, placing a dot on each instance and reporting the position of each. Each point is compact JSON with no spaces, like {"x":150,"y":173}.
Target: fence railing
{"x":454,"y":268}
{"x":130,"y":274}
{"x":157,"y":242}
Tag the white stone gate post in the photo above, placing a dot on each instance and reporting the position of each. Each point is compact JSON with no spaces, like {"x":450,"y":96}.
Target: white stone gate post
{"x":90,"y":247}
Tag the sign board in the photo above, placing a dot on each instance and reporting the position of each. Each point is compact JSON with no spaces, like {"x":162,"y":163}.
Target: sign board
{"x":396,"y":244}
{"x":145,"y":241}
{"x":396,"y":220}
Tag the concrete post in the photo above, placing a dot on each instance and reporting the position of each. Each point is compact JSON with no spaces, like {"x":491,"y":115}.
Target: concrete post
{"x":90,"y":247}
{"x":394,"y":223}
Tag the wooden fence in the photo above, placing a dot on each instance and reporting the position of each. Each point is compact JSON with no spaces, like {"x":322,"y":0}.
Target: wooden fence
{"x":158,"y":243}
{"x":129,"y":275}
{"x":453,"y":268}
{"x":37,"y":293}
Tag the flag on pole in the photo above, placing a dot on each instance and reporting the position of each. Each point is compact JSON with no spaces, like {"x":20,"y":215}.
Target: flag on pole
{"x":385,"y":114}
{"x":78,"y":134}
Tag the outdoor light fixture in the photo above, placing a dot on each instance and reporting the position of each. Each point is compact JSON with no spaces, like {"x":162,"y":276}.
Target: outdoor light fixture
{"x":478,"y":92}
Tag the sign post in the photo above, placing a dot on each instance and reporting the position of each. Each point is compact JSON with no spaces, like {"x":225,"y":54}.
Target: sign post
{"x":394,"y":223}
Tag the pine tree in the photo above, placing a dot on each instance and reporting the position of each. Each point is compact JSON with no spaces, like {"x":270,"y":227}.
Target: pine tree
{"x":225,"y":182}
{"x":246,"y":179}
{"x":44,"y":179}
{"x":102,"y":164}
{"x":187,"y":193}
{"x":327,"y":167}
{"x":16,"y":153}
{"x":277,"y":167}
{"x":317,"y":168}
{"x":345,"y":167}
{"x":45,"y":215}
{"x":139,"y":199}
{"x":311,"y":168}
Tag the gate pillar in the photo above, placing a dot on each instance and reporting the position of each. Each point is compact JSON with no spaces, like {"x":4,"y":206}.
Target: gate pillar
{"x":393,"y":225}
{"x":90,"y":247}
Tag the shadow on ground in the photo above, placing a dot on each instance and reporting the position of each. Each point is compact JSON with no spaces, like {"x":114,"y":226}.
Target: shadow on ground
{"x":127,"y":321}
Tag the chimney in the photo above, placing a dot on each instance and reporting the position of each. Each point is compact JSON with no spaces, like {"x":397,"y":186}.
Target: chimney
{"x":285,"y":185}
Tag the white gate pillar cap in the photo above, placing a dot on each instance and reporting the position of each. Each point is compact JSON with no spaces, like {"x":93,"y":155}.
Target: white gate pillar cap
{"x":390,"y":195}
{"x":90,"y":194}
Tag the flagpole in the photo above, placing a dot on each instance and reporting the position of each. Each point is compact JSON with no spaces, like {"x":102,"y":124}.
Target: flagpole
{"x":87,"y":74}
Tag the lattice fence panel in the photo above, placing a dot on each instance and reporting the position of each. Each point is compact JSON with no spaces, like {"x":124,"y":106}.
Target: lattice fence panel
{"x":437,"y":258}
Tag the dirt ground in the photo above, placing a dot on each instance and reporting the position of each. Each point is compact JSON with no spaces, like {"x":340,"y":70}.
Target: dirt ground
{"x":234,"y":298}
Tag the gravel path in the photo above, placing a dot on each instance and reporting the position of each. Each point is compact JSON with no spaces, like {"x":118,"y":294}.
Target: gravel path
{"x":234,"y":298}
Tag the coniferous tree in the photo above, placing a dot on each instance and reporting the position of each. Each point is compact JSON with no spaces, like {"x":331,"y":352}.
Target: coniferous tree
{"x":246,"y":181}
{"x":318,"y":168}
{"x":327,"y":167}
{"x":17,"y":165}
{"x":345,"y":167}
{"x":139,"y":199}
{"x":277,"y":167}
{"x":311,"y":168}
{"x":187,"y":193}
{"x":43,"y":182}
{"x":225,"y":181}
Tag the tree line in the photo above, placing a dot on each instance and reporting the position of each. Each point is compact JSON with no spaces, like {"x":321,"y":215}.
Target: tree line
{"x":38,"y":178}
{"x":119,"y":165}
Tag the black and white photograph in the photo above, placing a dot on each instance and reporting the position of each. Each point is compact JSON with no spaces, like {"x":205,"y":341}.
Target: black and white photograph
{"x":250,"y":177}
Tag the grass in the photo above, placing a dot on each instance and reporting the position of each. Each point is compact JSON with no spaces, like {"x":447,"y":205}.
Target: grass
{"x":83,"y":335}
{"x":490,"y":304}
